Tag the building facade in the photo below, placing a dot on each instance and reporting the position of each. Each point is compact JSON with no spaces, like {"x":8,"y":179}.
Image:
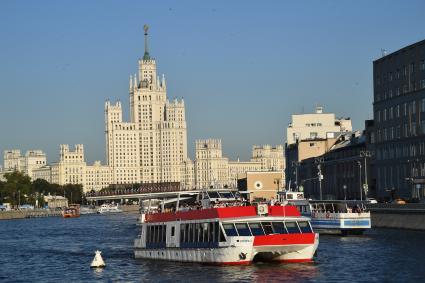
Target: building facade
{"x":211,"y":168}
{"x":302,"y":150}
{"x":316,"y":125}
{"x":341,"y":172}
{"x":258,"y":186}
{"x":98,"y":176}
{"x":71,"y":168}
{"x":152,"y":147}
{"x":398,"y":137}
{"x":14,"y":161}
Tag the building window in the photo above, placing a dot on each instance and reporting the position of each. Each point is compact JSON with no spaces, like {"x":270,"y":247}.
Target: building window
{"x":413,"y":130}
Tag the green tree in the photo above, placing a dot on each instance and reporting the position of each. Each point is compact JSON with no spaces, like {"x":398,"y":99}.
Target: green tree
{"x":17,"y":188}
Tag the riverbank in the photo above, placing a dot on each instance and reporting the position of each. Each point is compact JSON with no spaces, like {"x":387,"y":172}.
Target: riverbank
{"x":21,"y":214}
{"x":398,"y":216}
{"x":36,"y":213}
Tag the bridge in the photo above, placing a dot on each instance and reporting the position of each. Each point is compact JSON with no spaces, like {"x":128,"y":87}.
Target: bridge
{"x":145,"y":191}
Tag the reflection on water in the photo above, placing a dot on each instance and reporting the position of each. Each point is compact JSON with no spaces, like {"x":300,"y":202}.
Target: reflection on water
{"x":56,"y":249}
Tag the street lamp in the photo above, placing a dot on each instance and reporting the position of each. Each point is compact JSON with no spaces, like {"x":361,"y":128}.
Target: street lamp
{"x":319,"y":161}
{"x":345,"y":191}
{"x":365,"y":154}
{"x":296,"y":164}
{"x":360,"y":179}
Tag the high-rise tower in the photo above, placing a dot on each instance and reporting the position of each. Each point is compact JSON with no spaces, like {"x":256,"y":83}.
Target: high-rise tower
{"x":160,"y":125}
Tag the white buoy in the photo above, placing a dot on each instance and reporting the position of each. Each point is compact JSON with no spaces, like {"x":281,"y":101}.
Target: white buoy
{"x":97,"y":261}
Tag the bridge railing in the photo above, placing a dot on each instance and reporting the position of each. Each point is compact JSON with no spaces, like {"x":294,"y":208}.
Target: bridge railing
{"x":144,"y":189}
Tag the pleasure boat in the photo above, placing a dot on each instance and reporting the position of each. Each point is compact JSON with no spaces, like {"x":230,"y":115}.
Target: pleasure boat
{"x":72,"y":211}
{"x":332,"y":216}
{"x":109,"y":208}
{"x":226,"y":232}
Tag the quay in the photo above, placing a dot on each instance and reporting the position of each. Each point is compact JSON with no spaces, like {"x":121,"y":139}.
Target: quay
{"x":21,"y":214}
{"x":398,"y":216}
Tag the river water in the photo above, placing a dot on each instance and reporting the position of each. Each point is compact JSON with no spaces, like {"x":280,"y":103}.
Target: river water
{"x":56,"y":249}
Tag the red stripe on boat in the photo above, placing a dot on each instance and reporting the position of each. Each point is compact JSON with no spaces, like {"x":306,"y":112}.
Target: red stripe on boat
{"x":222,"y":212}
{"x":284,"y":239}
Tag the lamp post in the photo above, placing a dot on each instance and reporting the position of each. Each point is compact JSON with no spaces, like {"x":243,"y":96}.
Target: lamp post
{"x":365,"y":154}
{"x":296,"y":164}
{"x":360,"y":179}
{"x":344,"y":187}
{"x":319,"y":161}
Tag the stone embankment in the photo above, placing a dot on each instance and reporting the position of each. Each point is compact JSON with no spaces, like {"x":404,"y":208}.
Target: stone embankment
{"x":398,"y":216}
{"x":21,"y":214}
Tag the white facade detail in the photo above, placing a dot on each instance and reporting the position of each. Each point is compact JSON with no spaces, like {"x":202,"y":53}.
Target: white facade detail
{"x":14,"y":161}
{"x":212,"y":169}
{"x":71,"y":167}
{"x":316,"y":125}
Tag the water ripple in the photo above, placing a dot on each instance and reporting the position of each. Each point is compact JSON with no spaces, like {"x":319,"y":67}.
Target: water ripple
{"x":56,"y":249}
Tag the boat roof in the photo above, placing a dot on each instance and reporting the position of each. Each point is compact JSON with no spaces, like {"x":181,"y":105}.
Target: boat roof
{"x":222,"y":213}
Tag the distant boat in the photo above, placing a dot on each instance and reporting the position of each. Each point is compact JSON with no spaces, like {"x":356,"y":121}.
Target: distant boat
{"x":332,"y":216}
{"x":109,"y":208}
{"x":72,"y":211}
{"x":87,"y":210}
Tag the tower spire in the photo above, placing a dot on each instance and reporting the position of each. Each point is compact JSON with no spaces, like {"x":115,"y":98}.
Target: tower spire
{"x":146,"y":56}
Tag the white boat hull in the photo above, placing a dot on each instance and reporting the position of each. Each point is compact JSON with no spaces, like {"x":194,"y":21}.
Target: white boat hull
{"x":232,"y":255}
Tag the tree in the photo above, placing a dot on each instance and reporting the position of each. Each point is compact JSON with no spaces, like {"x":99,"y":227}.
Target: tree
{"x":17,"y":188}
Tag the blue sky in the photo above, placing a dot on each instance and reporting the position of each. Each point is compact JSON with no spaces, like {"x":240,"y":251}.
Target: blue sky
{"x":243,"y":67}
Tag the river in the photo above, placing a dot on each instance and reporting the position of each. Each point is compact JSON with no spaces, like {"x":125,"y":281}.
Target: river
{"x":54,"y":249}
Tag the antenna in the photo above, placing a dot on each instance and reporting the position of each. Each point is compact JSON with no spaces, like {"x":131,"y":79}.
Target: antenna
{"x":146,"y":55}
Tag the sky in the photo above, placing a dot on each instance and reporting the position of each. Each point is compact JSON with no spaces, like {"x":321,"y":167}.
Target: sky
{"x":242,"y":67}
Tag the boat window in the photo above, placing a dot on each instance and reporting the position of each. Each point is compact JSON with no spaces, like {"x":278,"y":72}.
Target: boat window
{"x":256,"y":229}
{"x":329,"y":207}
{"x":279,"y":228}
{"x":219,"y":233}
{"x":226,"y":195}
{"x":230,"y":229}
{"x":213,"y":195}
{"x":305,"y":227}
{"x":204,"y":228}
{"x":211,"y":232}
{"x":197,"y":226}
{"x":292,"y":227}
{"x":243,"y":229}
{"x":182,"y":233}
{"x":267,"y":226}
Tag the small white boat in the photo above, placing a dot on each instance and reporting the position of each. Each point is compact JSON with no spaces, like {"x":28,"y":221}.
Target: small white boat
{"x":109,"y":208}
{"x":97,"y":261}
